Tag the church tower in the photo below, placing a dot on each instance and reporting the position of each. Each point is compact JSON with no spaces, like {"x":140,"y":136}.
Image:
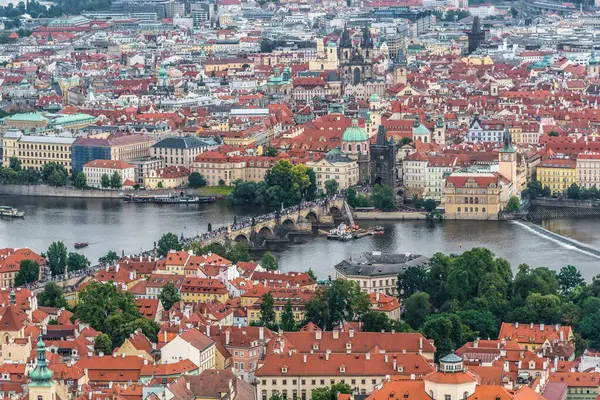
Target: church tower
{"x":593,"y":68}
{"x":439,"y":131}
{"x":507,"y":162}
{"x":383,"y":160}
{"x":400,"y":67}
{"x":42,"y":386}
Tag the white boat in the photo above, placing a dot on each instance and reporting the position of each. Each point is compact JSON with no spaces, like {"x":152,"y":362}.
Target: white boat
{"x":8,"y":211}
{"x":340,"y":233}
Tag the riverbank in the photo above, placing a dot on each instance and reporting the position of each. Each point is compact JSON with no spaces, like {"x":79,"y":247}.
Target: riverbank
{"x":70,"y":192}
{"x":389,"y":216}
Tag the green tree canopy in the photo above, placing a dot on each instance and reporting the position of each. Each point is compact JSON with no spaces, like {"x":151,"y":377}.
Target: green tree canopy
{"x":514,"y":204}
{"x":105,"y":181}
{"x":288,"y":322}
{"x":331,"y":187}
{"x":103,"y":344}
{"x":57,"y":258}
{"x":115,"y":180}
{"x":51,"y":296}
{"x":169,"y":295}
{"x":196,"y":180}
{"x":416,"y":309}
{"x":168,"y":241}
{"x":269,"y":262}
{"x":76,"y":261}
{"x":80,"y":180}
{"x":267,"y":310}
{"x":383,"y":198}
{"x":29,"y":271}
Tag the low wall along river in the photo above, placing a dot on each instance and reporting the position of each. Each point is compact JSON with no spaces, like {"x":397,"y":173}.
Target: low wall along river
{"x":51,"y":191}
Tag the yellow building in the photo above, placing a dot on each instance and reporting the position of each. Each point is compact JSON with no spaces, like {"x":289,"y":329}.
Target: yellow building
{"x":224,"y":64}
{"x":475,"y":195}
{"x":335,"y":166}
{"x":36,"y":151}
{"x":297,"y":297}
{"x":327,"y":57}
{"x":136,"y":345}
{"x":167,"y":178}
{"x":202,"y":290}
{"x":557,"y":173}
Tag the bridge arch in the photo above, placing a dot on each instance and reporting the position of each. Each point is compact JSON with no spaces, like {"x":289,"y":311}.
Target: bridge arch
{"x":335,"y":211}
{"x":312,"y":216}
{"x":242,"y":238}
{"x":288,"y":223}
{"x":265,"y":231}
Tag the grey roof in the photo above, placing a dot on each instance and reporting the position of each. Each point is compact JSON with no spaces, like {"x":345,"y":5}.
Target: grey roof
{"x":186,"y":142}
{"x":451,"y":358}
{"x":379,"y":264}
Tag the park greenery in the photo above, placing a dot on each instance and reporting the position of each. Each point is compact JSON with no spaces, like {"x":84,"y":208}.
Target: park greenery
{"x":514,"y":204}
{"x":169,"y":296}
{"x":169,"y":241}
{"x":52,"y":174}
{"x":113,"y":312}
{"x":285,"y":184}
{"x":382,"y":198}
{"x":29,"y":271}
{"x":57,"y":258}
{"x":237,"y":252}
{"x":76,"y":262}
{"x":196,"y":180}
{"x":471,"y":294}
{"x":269,"y":262}
{"x":51,"y":296}
{"x":109,"y":258}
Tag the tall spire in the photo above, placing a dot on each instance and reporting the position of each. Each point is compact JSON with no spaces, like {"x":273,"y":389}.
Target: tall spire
{"x":346,"y":42}
{"x":13,"y":297}
{"x":41,"y":374}
{"x":507,"y":139}
{"x":381,"y":140}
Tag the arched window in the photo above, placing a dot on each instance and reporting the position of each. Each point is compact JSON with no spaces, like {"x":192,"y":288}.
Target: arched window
{"x":476,"y":200}
{"x":483,"y":209}
{"x":471,"y":210}
{"x":458,"y":209}
{"x":350,"y":147}
{"x":466,"y":200}
{"x":476,"y":209}
{"x":303,"y":394}
{"x":470,"y":200}
{"x":358,"y":147}
{"x":264,"y":395}
{"x":465,"y":395}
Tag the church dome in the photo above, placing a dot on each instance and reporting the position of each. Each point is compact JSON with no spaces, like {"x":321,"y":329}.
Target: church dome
{"x":41,"y":374}
{"x":374,"y":97}
{"x":355,"y":133}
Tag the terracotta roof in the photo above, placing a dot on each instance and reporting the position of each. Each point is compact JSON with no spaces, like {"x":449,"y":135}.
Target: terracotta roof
{"x":576,"y":379}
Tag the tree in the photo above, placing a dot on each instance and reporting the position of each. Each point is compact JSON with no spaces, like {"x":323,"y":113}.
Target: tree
{"x":573,"y":192}
{"x":553,"y":134}
{"x":417,"y":202}
{"x":160,"y":185}
{"x":115,"y":180}
{"x":483,"y":323}
{"x":331,"y":186}
{"x":76,"y":261}
{"x":514,"y":204}
{"x":416,"y":309}
{"x":514,"y":12}
{"x":169,"y":295}
{"x":147,"y":326}
{"x":196,"y":180}
{"x":405,"y":141}
{"x":351,"y":197}
{"x":80,"y":181}
{"x":269,"y":262}
{"x":546,"y":191}
{"x":429,"y":205}
{"x":331,"y":393}
{"x":14,"y":164}
{"x":383,"y":198}
{"x":376,"y":321}
{"x":109,"y":258}
{"x":569,"y":278}
{"x":57,"y":258}
{"x":534,"y":188}
{"x":103,"y":344}
{"x":29,"y":271}
{"x":168,"y":241}
{"x":546,"y":308}
{"x":271,"y":152}
{"x":288,"y":322}
{"x":439,"y":329}
{"x":239,"y":252}
{"x":411,"y":280}
{"x":105,"y":181}
{"x":267,"y":310}
{"x":52,"y":296}
{"x":311,"y":273}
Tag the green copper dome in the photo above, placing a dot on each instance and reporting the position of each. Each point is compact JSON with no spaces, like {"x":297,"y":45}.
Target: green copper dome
{"x":41,"y":374}
{"x":374,"y":97}
{"x":355,"y":133}
{"x":593,"y":60}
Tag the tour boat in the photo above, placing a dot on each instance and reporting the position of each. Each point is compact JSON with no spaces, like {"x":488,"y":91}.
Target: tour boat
{"x":8,"y":211}
{"x":81,"y":245}
{"x":167,"y":199}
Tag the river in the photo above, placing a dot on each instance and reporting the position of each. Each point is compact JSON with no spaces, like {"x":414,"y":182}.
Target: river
{"x":114,"y":225}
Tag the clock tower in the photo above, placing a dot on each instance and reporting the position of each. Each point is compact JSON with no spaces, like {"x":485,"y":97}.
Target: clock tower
{"x":507,"y":161}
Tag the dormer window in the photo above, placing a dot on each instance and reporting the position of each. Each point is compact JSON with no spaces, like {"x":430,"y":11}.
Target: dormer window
{"x":284,"y":369}
{"x":316,"y":346}
{"x":348,"y":345}
{"x":342,"y":368}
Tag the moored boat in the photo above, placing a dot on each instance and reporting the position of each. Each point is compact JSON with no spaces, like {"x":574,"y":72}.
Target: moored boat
{"x":8,"y":211}
{"x":80,"y":245}
{"x":167,"y":199}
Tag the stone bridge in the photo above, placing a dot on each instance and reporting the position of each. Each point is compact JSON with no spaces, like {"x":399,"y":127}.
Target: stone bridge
{"x":279,"y":225}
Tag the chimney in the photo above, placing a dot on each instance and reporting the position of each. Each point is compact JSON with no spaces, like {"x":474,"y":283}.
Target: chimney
{"x":187,"y":384}
{"x":377,"y":296}
{"x":318,"y":334}
{"x":516,"y":324}
{"x":476,"y":343}
{"x":386,"y":358}
{"x":304,"y":358}
{"x":351,"y":333}
{"x":327,"y":356}
{"x":227,"y":333}
{"x":101,"y":354}
{"x":165,"y":336}
{"x":336,"y":334}
{"x":261,"y":333}
{"x":187,"y":311}
{"x":208,"y":330}
{"x":145,"y":361}
{"x":531,"y":325}
{"x":420,"y":342}
{"x":562,"y":335}
{"x":395,"y":363}
{"x":367,"y":356}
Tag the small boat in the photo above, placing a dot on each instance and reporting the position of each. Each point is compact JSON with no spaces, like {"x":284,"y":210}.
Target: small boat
{"x":8,"y":211}
{"x":340,"y":233}
{"x":81,"y":245}
{"x":378,"y":228}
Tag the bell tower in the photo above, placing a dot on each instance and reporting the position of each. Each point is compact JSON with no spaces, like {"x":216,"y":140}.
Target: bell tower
{"x":507,"y":162}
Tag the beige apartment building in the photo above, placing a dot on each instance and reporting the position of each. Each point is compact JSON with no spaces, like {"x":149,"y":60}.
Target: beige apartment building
{"x":475,"y":195}
{"x":588,"y":170}
{"x":294,"y":375}
{"x":36,"y":151}
{"x":94,"y":170}
{"x":335,"y":165}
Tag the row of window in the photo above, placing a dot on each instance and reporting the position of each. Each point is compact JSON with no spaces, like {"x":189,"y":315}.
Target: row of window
{"x":28,"y":146}
{"x":470,"y":209}
{"x":313,"y":382}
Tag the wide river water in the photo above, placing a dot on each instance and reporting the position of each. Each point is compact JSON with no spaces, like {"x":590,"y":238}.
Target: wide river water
{"x":114,"y":225}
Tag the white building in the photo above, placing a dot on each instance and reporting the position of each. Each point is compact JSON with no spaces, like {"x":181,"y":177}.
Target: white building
{"x":435,"y":176}
{"x":486,"y":131}
{"x":94,"y":170}
{"x":193,"y":345}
